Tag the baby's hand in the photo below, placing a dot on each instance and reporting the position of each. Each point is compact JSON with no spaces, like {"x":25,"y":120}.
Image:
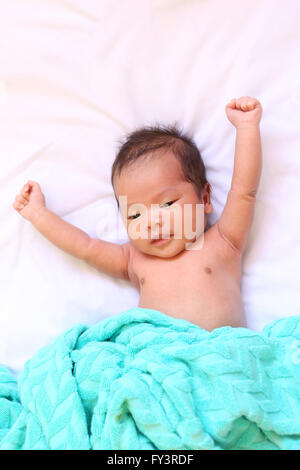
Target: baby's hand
{"x":30,"y":202}
{"x":244,"y":112}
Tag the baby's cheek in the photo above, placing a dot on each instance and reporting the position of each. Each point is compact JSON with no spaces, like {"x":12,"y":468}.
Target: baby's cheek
{"x":176,"y":221}
{"x":168,"y":223}
{"x":134,"y":230}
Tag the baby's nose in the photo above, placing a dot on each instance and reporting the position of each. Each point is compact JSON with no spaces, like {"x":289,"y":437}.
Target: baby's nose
{"x":154,"y":217}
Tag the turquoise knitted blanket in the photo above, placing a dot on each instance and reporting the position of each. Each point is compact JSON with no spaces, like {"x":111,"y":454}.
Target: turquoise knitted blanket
{"x":144,"y":380}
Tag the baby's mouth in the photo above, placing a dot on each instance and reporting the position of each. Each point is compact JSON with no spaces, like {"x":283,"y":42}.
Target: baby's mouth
{"x":162,"y":239}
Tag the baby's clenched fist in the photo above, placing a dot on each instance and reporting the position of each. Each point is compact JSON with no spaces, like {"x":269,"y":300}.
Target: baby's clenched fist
{"x":244,"y":111}
{"x":30,"y":202}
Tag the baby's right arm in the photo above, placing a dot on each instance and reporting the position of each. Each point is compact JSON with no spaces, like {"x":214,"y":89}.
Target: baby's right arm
{"x":108,"y":257}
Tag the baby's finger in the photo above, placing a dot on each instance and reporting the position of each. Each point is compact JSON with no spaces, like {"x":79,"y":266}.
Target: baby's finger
{"x":21,"y":199}
{"x":18,"y":206}
{"x":25,"y":193}
{"x":33,"y":184}
{"x":241,"y":103}
{"x":29,"y":186}
{"x":247,"y":103}
{"x":231,"y":104}
{"x":244,"y":106}
{"x":256,"y":103}
{"x":251,"y":103}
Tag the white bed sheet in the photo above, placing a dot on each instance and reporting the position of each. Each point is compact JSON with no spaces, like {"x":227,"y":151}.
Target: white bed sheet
{"x":74,"y":76}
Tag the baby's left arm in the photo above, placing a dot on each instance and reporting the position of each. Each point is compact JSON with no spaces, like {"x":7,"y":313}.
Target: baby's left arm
{"x":234,"y":225}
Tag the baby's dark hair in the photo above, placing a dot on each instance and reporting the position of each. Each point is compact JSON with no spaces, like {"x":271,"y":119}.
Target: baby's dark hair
{"x":151,"y":138}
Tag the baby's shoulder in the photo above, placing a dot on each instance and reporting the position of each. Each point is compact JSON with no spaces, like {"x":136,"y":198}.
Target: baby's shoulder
{"x":131,"y":254}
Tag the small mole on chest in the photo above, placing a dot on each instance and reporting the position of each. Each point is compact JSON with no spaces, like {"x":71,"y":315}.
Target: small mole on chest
{"x":142,"y":280}
{"x":207,"y":270}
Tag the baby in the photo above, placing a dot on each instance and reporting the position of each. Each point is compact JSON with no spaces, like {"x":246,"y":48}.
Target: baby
{"x":160,"y":176}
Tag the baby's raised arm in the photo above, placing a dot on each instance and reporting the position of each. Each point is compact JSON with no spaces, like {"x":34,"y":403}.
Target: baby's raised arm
{"x":235,"y":222}
{"x":108,"y":257}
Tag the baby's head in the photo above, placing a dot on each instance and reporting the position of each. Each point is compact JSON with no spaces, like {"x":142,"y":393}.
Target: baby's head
{"x":158,"y":178}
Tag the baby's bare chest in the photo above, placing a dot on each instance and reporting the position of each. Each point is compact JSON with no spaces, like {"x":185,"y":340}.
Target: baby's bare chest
{"x":192,"y":272}
{"x":198,"y":289}
{"x":199,"y":286}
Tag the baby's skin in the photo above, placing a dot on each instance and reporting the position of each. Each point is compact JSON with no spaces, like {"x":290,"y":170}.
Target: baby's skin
{"x":197,"y":278}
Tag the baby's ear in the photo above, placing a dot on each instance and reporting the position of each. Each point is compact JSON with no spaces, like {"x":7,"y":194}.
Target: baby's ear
{"x":208,"y":208}
{"x":206,"y":199}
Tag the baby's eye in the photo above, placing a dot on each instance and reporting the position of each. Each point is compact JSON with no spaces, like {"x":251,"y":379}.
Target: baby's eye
{"x":168,"y":203}
{"x":132,"y":217}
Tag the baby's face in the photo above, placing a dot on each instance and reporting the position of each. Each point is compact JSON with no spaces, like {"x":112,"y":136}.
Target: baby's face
{"x":158,"y":205}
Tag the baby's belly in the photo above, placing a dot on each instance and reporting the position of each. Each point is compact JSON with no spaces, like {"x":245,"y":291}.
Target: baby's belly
{"x":208,"y":308}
